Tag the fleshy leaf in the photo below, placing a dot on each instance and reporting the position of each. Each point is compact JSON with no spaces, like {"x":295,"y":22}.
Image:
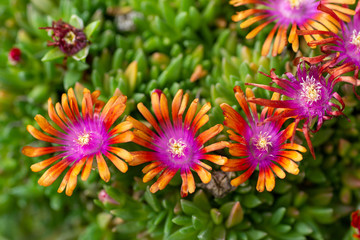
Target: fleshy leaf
{"x":76,"y":22}
{"x":54,"y":53}
{"x":90,"y":29}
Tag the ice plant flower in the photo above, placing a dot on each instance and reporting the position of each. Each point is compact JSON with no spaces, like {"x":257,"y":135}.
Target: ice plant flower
{"x":342,"y":50}
{"x":69,"y":39}
{"x":293,"y":14}
{"x":85,"y":134}
{"x":355,"y":222}
{"x":14,"y":56}
{"x":175,"y":145}
{"x":310,"y":97}
{"x":259,"y":145}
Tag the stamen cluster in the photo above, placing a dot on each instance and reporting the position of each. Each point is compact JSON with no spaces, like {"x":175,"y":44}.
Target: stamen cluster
{"x":263,"y":142}
{"x":355,"y":39}
{"x":310,"y":90}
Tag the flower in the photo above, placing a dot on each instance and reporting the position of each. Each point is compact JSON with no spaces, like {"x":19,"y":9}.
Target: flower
{"x":175,"y":145}
{"x":85,"y":135}
{"x":105,"y":198}
{"x":299,"y":14}
{"x":355,"y":222}
{"x":69,"y":39}
{"x":342,"y":50}
{"x":264,"y":145}
{"x":310,"y":94}
{"x":14,"y":56}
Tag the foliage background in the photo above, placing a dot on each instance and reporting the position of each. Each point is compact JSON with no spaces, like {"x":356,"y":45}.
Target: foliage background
{"x":168,"y":40}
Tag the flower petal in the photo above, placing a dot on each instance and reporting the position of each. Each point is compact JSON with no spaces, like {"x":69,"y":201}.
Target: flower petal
{"x":103,"y":168}
{"x":39,"y":151}
{"x":119,"y":164}
{"x":243,"y":177}
{"x":208,"y":134}
{"x":53,"y":173}
{"x":87,"y":169}
{"x":204,"y":175}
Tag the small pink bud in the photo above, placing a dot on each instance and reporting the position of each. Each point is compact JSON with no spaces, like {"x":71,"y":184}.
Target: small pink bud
{"x":105,"y":198}
{"x":14,"y":56}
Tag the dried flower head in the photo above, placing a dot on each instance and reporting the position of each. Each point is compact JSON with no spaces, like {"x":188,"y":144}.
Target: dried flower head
{"x":69,"y":39}
{"x":310,"y":94}
{"x":259,"y":145}
{"x":296,"y":14}
{"x":83,"y":136}
{"x":175,"y":145}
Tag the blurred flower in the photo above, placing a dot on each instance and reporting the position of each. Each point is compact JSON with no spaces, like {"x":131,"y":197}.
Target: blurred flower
{"x":262,"y":145}
{"x":299,"y":14}
{"x":355,"y":222}
{"x":85,"y":135}
{"x":175,"y":145}
{"x":69,"y":39}
{"x":14,"y":56}
{"x":342,"y":50}
{"x":105,"y":198}
{"x":311,"y":97}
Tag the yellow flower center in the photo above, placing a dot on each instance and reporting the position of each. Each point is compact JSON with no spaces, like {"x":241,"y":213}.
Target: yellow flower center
{"x":176,"y":147}
{"x":70,"y":37}
{"x":310,"y":90}
{"x":295,"y":3}
{"x":84,"y":139}
{"x":263,"y":142}
{"x":355,"y":38}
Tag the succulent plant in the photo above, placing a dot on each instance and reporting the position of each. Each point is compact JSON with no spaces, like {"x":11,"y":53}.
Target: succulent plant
{"x":137,"y":47}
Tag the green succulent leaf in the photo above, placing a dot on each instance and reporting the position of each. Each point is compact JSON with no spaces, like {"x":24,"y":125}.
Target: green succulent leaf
{"x":251,"y":201}
{"x":277,"y":216}
{"x":181,"y":220}
{"x":152,"y":200}
{"x":91,"y":28}
{"x":184,"y":233}
{"x":53,"y":54}
{"x":76,"y":21}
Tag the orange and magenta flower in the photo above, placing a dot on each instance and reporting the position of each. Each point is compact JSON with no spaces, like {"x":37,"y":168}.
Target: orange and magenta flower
{"x":259,"y":143}
{"x":355,"y":222}
{"x":293,"y":14}
{"x":69,"y":39}
{"x":85,"y":134}
{"x":310,"y":97}
{"x":342,"y":50}
{"x":175,"y":145}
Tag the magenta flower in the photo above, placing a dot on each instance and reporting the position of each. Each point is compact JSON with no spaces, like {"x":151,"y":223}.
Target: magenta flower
{"x":342,"y":50}
{"x":69,"y":39}
{"x":81,"y":135}
{"x":175,"y":146}
{"x":259,"y":145}
{"x":289,"y":14}
{"x":310,"y":96}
